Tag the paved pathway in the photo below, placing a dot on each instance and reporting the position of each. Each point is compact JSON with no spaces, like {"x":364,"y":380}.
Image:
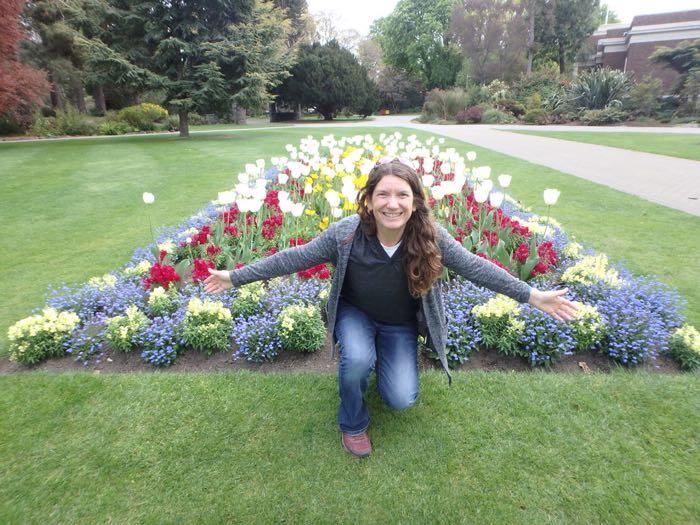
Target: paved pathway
{"x":670,"y":181}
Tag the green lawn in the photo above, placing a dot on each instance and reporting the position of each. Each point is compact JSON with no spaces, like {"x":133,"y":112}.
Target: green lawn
{"x":72,"y":209}
{"x":686,"y":145}
{"x":264,"y":448}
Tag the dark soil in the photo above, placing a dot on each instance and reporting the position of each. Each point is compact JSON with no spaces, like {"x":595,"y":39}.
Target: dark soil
{"x":320,"y":361}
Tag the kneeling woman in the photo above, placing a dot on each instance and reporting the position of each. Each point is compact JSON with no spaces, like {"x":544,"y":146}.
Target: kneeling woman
{"x":386,"y":287}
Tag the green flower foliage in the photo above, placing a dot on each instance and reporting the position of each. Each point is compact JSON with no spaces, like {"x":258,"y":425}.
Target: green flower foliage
{"x":684,"y":347}
{"x":498,"y":323}
{"x":122,"y":329}
{"x":207,"y":325}
{"x":248,"y":299}
{"x":163,"y":302}
{"x":588,"y":328}
{"x":38,"y":337}
{"x":302,"y":328}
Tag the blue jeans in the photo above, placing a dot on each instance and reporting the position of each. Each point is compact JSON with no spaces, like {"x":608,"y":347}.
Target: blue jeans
{"x":365,"y":342}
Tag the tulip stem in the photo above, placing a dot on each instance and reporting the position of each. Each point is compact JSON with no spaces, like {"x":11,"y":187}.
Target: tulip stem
{"x":544,"y":235}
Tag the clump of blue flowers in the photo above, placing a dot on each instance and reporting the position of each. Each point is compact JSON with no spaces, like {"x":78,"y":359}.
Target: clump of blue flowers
{"x":162,"y":339}
{"x":463,"y":335}
{"x":257,"y":337}
{"x":543,"y":340}
{"x":86,"y":342}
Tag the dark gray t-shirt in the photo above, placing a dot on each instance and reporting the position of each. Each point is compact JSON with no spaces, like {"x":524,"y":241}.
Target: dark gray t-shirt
{"x":376,"y":283}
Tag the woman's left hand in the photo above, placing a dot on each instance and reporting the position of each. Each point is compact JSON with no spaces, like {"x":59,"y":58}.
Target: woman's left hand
{"x":554,"y":304}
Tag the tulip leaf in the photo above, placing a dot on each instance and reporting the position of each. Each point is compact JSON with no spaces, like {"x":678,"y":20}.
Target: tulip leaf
{"x":527,"y":267}
{"x":218,"y":232}
{"x":184,"y":270}
{"x":502,"y":255}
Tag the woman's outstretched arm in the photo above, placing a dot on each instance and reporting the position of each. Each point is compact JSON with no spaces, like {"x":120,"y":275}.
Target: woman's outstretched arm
{"x":486,"y":274}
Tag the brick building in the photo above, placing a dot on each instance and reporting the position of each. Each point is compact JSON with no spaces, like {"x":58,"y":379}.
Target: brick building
{"x":627,"y":47}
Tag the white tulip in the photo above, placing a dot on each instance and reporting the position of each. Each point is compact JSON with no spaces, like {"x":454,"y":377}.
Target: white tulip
{"x":437,"y":192}
{"x":481,"y":172}
{"x":297,"y":209}
{"x":504,"y":180}
{"x":427,"y":180}
{"x":481,"y":193}
{"x":255,"y":205}
{"x":252,"y":169}
{"x":243,"y":178}
{"x":260,"y":163}
{"x":496,"y":199}
{"x":428,"y":164}
{"x":333,"y":198}
{"x":337,"y":213}
{"x":286,"y":205}
{"x":551,"y":196}
{"x":282,"y":178}
{"x":308,"y":189}
{"x":283,"y":195}
{"x":471,"y":156}
{"x":243,"y":205}
{"x":148,"y":198}
{"x":226,"y":197}
{"x":445,"y":168}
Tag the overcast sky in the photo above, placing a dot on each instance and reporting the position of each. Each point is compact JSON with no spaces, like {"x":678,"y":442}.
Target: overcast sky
{"x":361,"y":13}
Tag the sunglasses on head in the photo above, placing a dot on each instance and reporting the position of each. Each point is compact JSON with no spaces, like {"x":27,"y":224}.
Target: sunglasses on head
{"x":401,"y":160}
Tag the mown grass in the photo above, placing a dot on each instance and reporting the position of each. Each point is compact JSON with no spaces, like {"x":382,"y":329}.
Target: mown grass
{"x":72,"y":209}
{"x":686,"y":145}
{"x":258,"y":448}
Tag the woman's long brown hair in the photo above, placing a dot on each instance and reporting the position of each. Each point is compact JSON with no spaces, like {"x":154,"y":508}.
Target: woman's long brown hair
{"x":421,"y":261}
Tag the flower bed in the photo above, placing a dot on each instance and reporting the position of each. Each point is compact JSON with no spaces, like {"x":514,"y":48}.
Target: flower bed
{"x":156,"y":304}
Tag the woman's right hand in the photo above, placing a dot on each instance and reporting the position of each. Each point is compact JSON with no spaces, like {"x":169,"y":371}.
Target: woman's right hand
{"x":218,"y":281}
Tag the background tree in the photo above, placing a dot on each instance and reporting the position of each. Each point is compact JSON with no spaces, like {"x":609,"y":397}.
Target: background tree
{"x":369,"y":54}
{"x":415,"y":39}
{"x":328,"y":78}
{"x":301,"y":26}
{"x":21,"y":87}
{"x":685,"y":60}
{"x":399,"y":92}
{"x":327,"y":30}
{"x":492,"y":35}
{"x":564,"y":26}
{"x":607,"y":16}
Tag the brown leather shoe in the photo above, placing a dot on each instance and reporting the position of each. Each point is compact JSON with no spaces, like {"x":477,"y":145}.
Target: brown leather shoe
{"x":359,"y":446}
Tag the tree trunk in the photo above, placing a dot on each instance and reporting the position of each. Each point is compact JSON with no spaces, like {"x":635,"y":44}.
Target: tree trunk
{"x":184,"y":123}
{"x":99,"y":96}
{"x":55,"y":93}
{"x":562,"y":62}
{"x":530,"y":39}
{"x":79,"y":94}
{"x":238,"y":114}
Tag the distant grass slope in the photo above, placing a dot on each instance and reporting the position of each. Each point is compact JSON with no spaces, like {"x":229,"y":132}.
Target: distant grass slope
{"x":264,"y":448}
{"x":72,"y":209}
{"x":685,"y":146}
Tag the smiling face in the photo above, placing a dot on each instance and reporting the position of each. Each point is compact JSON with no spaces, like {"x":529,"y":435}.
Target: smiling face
{"x":391,"y":204}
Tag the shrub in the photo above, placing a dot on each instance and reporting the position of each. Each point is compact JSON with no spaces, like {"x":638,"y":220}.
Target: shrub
{"x":45,"y":127}
{"x":38,"y":337}
{"x":535,"y":116}
{"x":144,"y":116}
{"x":644,"y":97}
{"x":498,"y":322}
{"x":70,"y":122}
{"x":207,"y":325}
{"x":302,"y":328}
{"x":601,"y":117}
{"x":684,"y":347}
{"x":471,"y":115}
{"x":114,"y":128}
{"x":247,"y":300}
{"x":445,"y":105}
{"x":544,"y":83}
{"x":122,"y":329}
{"x":599,"y":88}
{"x":511,"y":106}
{"x":496,"y":116}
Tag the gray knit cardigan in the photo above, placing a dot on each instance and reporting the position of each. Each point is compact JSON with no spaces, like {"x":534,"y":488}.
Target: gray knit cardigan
{"x":334,"y":244}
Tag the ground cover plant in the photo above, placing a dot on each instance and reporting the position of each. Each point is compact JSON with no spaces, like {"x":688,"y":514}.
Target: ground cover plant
{"x":86,"y":194}
{"x":250,"y":447}
{"x":683,"y":145}
{"x":287,"y":204}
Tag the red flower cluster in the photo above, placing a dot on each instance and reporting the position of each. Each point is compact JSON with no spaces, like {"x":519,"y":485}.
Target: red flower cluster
{"x":491,"y":237}
{"x":297,"y":242}
{"x":522,"y":253}
{"x":494,"y":261}
{"x":229,"y":216}
{"x":162,"y":274}
{"x":213,"y":249}
{"x":202,"y":236}
{"x":321,"y":271}
{"x":201,"y":269}
{"x":270,"y":226}
{"x":231,"y":230}
{"x":272,"y":200}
